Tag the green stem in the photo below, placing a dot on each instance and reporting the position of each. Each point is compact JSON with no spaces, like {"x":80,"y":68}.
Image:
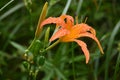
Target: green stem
{"x":73,"y":65}
{"x":32,"y":43}
{"x":51,"y":46}
{"x":117,"y":67}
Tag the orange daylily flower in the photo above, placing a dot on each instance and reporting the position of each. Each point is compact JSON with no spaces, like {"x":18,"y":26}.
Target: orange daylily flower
{"x":68,"y":32}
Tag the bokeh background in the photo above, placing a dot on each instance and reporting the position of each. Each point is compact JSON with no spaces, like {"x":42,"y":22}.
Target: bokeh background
{"x":66,"y":61}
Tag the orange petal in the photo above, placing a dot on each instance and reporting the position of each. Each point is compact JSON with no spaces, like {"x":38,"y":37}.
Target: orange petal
{"x":69,"y":20}
{"x":57,"y":21}
{"x":94,"y":38}
{"x":84,"y":49}
{"x":83,"y":28}
{"x":61,"y":32}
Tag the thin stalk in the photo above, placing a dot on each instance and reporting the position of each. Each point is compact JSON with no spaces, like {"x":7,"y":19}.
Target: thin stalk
{"x":117,"y":67}
{"x":32,"y":43}
{"x":6,"y":5}
{"x":73,"y":65}
{"x":79,"y":7}
{"x":66,"y":7}
{"x":96,"y":66}
{"x":51,"y":46}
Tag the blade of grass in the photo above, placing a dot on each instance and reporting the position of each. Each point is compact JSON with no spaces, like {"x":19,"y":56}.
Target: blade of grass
{"x":66,"y":7}
{"x":12,"y":10}
{"x":79,"y":7}
{"x":108,"y":53}
{"x":117,"y":67}
{"x":18,"y":46}
{"x":6,"y":5}
{"x":96,"y":65}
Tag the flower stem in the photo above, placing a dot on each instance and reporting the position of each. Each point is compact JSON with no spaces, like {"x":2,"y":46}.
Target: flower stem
{"x":51,"y":46}
{"x":32,"y":43}
{"x":73,"y":65}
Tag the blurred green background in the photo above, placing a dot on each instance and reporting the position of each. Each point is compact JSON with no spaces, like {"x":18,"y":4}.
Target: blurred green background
{"x":18,"y":21}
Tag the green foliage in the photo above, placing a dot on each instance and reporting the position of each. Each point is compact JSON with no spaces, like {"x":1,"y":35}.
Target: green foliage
{"x":65,"y":61}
